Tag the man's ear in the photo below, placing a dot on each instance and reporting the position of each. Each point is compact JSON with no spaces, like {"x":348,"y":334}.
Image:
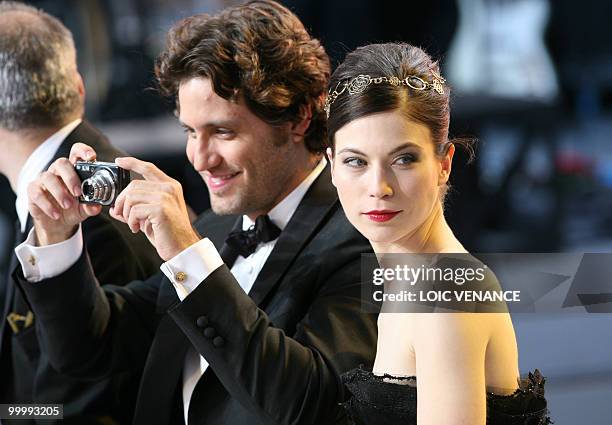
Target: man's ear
{"x":446,"y":164}
{"x":330,"y":158}
{"x":80,"y":85}
{"x":301,"y":126}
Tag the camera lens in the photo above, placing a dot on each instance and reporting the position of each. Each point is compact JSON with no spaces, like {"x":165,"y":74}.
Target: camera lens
{"x":100,"y":187}
{"x":88,"y":189}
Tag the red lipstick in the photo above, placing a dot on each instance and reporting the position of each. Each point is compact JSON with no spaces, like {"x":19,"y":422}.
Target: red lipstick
{"x":381,"y":216}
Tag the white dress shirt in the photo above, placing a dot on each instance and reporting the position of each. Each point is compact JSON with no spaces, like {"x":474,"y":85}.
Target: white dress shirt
{"x":35,"y":164}
{"x":186,"y":270}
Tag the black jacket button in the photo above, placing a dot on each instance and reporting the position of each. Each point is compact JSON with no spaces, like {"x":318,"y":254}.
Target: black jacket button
{"x":218,"y":342}
{"x":202,"y":321}
{"x":210,"y":332}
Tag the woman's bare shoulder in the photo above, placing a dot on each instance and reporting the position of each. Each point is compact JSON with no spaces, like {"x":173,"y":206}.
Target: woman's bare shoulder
{"x":454,"y":328}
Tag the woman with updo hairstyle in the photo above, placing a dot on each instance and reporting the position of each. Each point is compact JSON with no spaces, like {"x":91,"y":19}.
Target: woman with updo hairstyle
{"x":388,"y":119}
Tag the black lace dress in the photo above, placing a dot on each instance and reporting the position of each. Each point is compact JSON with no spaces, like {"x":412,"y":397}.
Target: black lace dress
{"x":389,"y":400}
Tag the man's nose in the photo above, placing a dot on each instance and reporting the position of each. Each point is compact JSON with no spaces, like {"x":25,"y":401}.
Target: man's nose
{"x":205,"y":156}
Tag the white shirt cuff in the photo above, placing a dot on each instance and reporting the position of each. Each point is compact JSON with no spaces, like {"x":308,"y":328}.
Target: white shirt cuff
{"x":44,"y":262}
{"x":192,"y":266}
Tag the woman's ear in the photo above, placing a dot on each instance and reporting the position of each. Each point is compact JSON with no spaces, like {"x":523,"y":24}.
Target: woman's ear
{"x":446,"y":164}
{"x":330,"y":158}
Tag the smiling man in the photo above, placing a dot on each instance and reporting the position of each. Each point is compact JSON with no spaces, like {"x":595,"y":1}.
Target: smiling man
{"x":247,"y":164}
{"x":257,"y":309}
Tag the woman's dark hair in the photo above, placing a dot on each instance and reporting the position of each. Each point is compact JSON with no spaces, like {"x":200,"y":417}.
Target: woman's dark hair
{"x":259,"y":50}
{"x":401,"y":60}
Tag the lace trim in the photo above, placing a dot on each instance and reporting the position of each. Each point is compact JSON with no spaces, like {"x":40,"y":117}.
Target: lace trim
{"x":396,"y":379}
{"x":532,"y":383}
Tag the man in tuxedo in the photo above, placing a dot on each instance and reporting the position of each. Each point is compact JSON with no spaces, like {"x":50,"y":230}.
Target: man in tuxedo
{"x":42,"y":101}
{"x":257,"y":310}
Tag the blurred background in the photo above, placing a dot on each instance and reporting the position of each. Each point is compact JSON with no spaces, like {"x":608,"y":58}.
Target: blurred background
{"x":532,"y":81}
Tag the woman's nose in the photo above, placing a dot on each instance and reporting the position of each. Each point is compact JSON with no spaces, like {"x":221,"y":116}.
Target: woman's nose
{"x":379,"y":185}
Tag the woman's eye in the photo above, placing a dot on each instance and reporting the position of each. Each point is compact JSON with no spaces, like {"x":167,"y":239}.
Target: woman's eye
{"x":354,"y":162}
{"x":405,"y":159}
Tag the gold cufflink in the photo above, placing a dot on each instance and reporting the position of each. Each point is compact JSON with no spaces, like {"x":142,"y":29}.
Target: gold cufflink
{"x":180,"y":276}
{"x":32,"y":260}
{"x":13,"y":319}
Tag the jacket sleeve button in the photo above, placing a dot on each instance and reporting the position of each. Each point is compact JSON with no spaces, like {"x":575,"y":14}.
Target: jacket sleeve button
{"x":218,"y":342}
{"x":202,"y":321}
{"x":210,"y":332}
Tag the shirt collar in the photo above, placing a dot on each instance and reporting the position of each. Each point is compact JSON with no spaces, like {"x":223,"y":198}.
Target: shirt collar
{"x":35,"y":164}
{"x":283,"y":211}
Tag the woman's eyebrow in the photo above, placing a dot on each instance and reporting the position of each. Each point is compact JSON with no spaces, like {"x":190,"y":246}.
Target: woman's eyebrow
{"x":404,"y":146}
{"x":393,"y":151}
{"x":352,"y":150}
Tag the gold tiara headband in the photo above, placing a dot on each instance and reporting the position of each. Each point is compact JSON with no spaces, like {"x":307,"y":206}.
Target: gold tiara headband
{"x":361,"y":82}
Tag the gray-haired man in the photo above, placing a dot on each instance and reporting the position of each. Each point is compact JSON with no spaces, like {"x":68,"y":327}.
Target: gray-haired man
{"x":41,"y":109}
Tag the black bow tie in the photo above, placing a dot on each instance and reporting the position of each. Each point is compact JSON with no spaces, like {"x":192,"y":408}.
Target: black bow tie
{"x":244,"y":242}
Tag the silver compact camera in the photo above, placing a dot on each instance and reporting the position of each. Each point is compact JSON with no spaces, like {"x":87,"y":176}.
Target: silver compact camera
{"x":101,"y":182}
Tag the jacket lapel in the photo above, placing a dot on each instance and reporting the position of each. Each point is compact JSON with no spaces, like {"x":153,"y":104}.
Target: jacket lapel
{"x":10,"y":285}
{"x":10,"y":300}
{"x":315,"y":206}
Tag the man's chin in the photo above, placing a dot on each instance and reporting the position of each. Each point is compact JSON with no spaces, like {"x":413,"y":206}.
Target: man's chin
{"x":221,"y":207}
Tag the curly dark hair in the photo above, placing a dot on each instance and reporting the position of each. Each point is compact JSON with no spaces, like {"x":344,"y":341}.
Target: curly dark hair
{"x":260,"y":51}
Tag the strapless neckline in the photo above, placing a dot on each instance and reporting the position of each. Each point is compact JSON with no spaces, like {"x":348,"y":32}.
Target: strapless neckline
{"x":387,"y":399}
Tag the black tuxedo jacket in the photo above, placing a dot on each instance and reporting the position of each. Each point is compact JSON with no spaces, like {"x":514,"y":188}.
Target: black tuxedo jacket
{"x":117,"y":256}
{"x":275,"y":355}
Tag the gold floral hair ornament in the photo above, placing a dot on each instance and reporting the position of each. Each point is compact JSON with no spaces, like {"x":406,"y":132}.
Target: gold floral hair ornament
{"x":359,"y":83}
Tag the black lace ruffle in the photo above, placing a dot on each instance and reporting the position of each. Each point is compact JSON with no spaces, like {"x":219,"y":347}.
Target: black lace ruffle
{"x":377,"y":400}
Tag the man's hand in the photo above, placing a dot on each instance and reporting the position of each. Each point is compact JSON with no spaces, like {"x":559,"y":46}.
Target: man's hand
{"x":155,"y":206}
{"x":52,"y":198}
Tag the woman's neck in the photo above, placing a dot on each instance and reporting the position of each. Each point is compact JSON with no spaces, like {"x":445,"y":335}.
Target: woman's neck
{"x":433,"y":236}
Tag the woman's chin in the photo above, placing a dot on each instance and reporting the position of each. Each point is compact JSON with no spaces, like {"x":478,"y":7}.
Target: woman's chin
{"x":379,"y":235}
